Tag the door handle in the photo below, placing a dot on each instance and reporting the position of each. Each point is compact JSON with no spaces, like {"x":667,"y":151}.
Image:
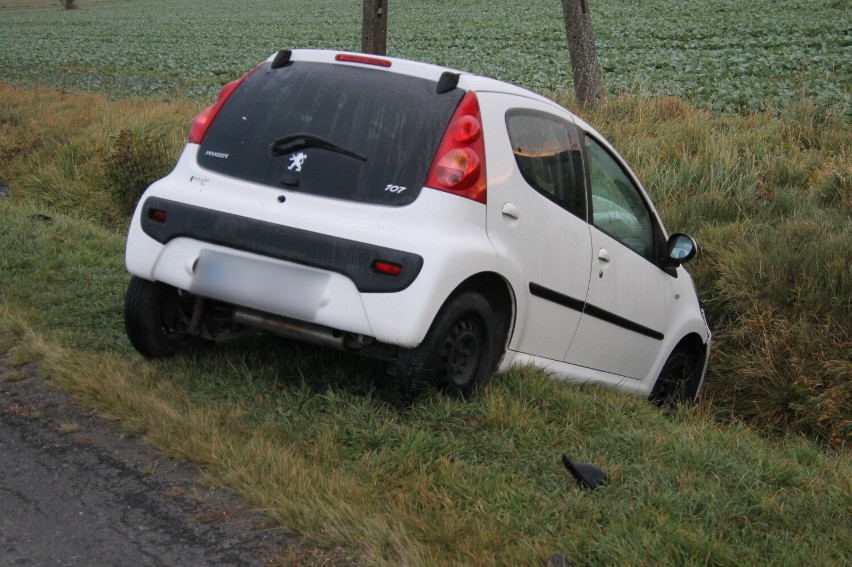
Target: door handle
{"x":603,"y":255}
{"x":511,"y":211}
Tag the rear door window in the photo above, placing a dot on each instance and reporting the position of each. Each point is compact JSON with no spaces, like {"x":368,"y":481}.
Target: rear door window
{"x":331,"y":130}
{"x":548,"y":157}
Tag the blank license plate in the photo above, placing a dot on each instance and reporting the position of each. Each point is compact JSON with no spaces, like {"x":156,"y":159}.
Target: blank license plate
{"x":288,"y":290}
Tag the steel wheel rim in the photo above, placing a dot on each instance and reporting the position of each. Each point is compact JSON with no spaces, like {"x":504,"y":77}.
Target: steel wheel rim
{"x":461,"y":351}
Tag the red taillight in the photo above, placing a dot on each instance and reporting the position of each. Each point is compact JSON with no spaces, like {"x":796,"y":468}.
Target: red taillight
{"x":157,"y":215}
{"x":465,"y":129}
{"x":363,"y":59}
{"x":459,"y":164}
{"x":387,"y":268}
{"x":205,"y":117}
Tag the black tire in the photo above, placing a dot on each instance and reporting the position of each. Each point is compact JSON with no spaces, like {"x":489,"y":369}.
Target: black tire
{"x":156,"y":318}
{"x":461,"y":348}
{"x":679,"y":379}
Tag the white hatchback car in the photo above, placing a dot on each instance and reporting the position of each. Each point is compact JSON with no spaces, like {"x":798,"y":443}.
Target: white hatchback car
{"x":451,"y":224}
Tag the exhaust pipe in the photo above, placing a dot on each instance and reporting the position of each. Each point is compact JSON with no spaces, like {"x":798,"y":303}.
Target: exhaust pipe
{"x":291,"y":328}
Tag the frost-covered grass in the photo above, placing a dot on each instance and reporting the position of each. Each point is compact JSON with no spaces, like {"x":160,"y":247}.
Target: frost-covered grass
{"x":727,"y":54}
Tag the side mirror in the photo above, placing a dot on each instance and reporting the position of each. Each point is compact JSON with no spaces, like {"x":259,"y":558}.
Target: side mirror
{"x":681,"y":248}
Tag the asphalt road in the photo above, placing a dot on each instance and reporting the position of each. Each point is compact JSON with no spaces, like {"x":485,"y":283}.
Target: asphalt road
{"x":75,"y":491}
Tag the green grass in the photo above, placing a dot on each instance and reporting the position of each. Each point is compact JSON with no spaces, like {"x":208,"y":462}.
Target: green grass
{"x":324,"y":444}
{"x":758,"y":474}
{"x":726,"y":54}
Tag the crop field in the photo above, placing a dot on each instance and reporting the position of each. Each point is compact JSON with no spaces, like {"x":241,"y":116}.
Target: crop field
{"x":725,"y":54}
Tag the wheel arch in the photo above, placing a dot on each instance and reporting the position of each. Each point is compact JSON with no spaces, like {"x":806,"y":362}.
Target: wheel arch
{"x":420,"y":364}
{"x":693,"y":344}
{"x":697,"y":350}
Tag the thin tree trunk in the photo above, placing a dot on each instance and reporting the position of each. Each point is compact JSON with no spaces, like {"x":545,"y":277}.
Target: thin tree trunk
{"x":584,"y":58}
{"x":374,"y":27}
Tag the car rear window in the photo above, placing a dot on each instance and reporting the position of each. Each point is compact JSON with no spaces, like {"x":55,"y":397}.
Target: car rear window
{"x":331,"y":130}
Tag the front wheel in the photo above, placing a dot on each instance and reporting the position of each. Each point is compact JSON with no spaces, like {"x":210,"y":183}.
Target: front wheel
{"x":461,"y":349}
{"x":679,"y":379}
{"x":156,"y":319}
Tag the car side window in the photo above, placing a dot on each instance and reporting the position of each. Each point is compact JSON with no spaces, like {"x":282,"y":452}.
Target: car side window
{"x":547,"y":159}
{"x":617,"y":207}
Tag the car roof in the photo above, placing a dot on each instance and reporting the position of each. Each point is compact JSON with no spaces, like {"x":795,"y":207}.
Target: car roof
{"x":467,"y":81}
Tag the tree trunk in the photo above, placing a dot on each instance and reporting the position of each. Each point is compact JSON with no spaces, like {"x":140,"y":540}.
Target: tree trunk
{"x":374,"y":27}
{"x":584,"y":58}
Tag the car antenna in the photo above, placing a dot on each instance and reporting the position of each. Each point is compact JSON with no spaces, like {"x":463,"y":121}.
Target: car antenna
{"x":447,"y":82}
{"x":282,"y":58}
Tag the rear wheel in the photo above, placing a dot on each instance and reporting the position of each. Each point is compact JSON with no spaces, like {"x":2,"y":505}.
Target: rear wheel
{"x":461,"y":348}
{"x":679,"y":379}
{"x":156,"y":318}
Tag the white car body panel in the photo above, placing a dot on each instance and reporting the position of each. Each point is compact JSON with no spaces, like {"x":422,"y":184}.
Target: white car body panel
{"x":630,"y":287}
{"x":576,"y":374}
{"x":538,"y":242}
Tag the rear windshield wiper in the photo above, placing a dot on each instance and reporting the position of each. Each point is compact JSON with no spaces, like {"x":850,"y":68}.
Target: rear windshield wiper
{"x":295,"y":142}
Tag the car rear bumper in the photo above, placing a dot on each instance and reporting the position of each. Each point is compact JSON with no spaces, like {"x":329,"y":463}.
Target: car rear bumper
{"x":350,"y":258}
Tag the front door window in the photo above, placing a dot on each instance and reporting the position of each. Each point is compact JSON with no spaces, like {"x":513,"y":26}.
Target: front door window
{"x":617,"y":208}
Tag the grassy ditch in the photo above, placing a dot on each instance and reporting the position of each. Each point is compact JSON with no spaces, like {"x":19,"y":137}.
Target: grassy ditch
{"x":321,"y":441}
{"x":769,"y":199}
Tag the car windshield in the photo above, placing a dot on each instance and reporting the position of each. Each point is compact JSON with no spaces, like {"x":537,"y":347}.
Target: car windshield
{"x":331,"y":130}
